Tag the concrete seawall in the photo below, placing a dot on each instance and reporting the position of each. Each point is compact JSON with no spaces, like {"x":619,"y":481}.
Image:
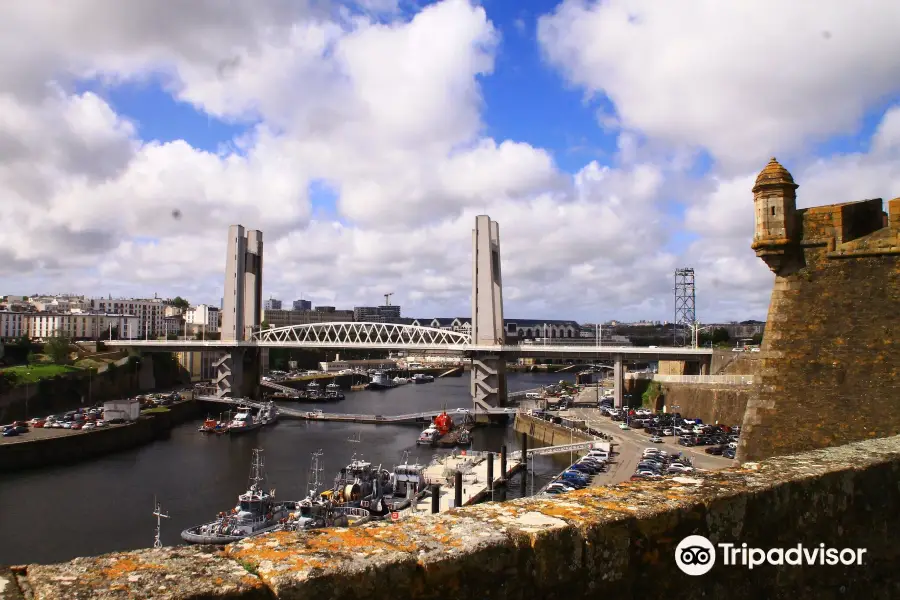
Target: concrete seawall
{"x":713,"y":403}
{"x":549,"y":434}
{"x":81,"y":446}
{"x":617,"y":542}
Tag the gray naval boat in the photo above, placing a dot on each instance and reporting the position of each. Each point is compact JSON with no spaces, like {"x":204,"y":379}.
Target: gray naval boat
{"x":256,"y":513}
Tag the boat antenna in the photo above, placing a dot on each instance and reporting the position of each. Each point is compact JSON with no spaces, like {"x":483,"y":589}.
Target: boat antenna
{"x":157,"y":543}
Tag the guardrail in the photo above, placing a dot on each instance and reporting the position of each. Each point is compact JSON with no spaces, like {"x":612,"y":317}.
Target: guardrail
{"x":723,"y":379}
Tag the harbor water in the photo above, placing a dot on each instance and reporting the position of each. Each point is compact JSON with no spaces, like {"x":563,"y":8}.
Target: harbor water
{"x":106,"y":504}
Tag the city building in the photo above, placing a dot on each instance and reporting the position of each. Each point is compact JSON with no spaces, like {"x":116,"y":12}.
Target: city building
{"x":82,"y":326}
{"x":377,"y":314}
{"x":272,"y":304}
{"x":202,"y":316}
{"x":302,"y":305}
{"x":60,"y":303}
{"x":199,"y":365}
{"x":284,"y":318}
{"x":150,"y":312}
{"x":13,"y":325}
{"x":242,"y":307}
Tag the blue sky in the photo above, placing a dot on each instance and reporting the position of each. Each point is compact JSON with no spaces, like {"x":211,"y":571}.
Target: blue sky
{"x":694,"y":86}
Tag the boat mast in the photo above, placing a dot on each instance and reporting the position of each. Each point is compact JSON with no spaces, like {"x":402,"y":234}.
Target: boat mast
{"x":256,"y":471}
{"x":314,"y":471}
{"x":157,"y":543}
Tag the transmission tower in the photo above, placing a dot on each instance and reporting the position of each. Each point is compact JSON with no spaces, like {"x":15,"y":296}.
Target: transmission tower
{"x":685,"y":306}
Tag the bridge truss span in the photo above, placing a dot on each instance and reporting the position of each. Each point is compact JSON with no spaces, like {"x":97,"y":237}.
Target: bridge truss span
{"x":364,"y":335}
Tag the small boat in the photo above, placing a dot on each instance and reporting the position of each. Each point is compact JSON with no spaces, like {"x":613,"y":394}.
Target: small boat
{"x":319,"y":510}
{"x":380,"y":381}
{"x":400,"y":380}
{"x":256,"y":513}
{"x":333,"y":392}
{"x":422,"y":378}
{"x":209,"y":426}
{"x":244,"y":421}
{"x":269,"y":414}
{"x":429,"y":436}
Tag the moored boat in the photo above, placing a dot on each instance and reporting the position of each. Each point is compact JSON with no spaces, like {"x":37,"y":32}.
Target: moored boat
{"x":209,"y":426}
{"x":422,"y":378}
{"x":380,"y":381}
{"x":429,"y":436}
{"x":255,"y":513}
{"x":244,"y":421}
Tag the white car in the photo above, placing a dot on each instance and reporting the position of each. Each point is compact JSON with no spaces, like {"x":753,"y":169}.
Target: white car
{"x":656,"y":439}
{"x":624,"y":426}
{"x":88,"y":426}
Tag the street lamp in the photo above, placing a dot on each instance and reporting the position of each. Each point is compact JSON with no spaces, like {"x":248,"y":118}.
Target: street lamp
{"x":27,"y":389}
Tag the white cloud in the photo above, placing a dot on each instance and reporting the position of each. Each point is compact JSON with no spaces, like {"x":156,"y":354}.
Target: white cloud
{"x":743,"y":80}
{"x":387,"y":112}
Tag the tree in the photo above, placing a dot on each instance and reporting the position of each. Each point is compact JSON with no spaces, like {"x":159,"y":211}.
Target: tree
{"x":264,"y":325}
{"x":181,"y":303}
{"x":58,"y":347}
{"x":757,"y":339}
{"x":651,"y":395}
{"x":720,"y":336}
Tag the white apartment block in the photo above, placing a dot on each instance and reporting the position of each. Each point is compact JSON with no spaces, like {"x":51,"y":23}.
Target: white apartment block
{"x":81,"y":326}
{"x":203,"y":315}
{"x":12,"y":325}
{"x":150,"y":312}
{"x":60,"y":304}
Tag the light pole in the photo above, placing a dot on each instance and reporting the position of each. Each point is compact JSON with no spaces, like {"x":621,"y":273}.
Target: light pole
{"x":27,"y":390}
{"x":675,"y":409}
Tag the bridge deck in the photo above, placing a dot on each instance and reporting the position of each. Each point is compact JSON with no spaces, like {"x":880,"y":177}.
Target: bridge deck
{"x":312,"y":415}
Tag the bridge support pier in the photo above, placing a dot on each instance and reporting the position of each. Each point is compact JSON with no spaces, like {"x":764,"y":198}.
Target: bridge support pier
{"x":237,"y":373}
{"x":489,"y":381}
{"x":618,"y":382}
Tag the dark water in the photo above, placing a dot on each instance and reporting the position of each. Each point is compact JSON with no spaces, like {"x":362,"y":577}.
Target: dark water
{"x":105,"y":504}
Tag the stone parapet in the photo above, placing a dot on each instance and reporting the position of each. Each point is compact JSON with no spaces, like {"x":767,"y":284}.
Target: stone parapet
{"x":614,"y":542}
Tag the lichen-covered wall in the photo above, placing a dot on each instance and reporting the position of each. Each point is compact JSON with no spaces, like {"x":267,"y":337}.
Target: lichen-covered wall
{"x":830,"y":362}
{"x":595,"y":543}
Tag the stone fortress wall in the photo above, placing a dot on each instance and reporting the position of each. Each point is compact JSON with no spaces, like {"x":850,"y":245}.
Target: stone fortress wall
{"x":829,"y":369}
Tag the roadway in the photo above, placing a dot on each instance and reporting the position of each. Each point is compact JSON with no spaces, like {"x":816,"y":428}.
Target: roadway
{"x":631,"y":445}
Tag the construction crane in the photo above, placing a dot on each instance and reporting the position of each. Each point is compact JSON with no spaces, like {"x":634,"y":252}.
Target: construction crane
{"x":387,"y":299}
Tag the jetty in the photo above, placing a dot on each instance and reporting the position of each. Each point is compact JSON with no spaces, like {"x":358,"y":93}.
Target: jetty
{"x":475,"y":470}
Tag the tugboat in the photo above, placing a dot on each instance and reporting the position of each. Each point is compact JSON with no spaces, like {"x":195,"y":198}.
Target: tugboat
{"x":380,"y":381}
{"x":256,"y":513}
{"x":269,"y":414}
{"x":407,"y":485}
{"x":361,"y":485}
{"x":333,"y":392}
{"x":244,"y":421}
{"x":313,"y":390}
{"x":209,"y":426}
{"x":318,"y":510}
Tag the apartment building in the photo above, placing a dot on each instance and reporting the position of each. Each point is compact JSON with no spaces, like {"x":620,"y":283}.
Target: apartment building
{"x":150,"y":312}
{"x":81,"y":326}
{"x":13,"y":325}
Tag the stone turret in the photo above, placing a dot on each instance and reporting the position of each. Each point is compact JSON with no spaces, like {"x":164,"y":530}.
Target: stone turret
{"x":775,"y":201}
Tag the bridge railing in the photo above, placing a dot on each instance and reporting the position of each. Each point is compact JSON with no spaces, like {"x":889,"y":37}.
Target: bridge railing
{"x":722,"y":379}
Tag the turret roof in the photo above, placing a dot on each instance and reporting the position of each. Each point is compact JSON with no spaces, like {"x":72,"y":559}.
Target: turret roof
{"x":774,"y":174}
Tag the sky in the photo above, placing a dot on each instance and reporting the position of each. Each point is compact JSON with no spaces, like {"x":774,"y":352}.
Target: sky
{"x":612,"y":141}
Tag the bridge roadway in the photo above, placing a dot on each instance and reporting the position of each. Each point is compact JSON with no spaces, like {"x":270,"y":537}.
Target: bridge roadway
{"x":631,"y":353}
{"x":314,"y":415}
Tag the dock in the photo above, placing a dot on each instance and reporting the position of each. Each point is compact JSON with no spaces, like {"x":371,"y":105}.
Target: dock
{"x":473,"y":465}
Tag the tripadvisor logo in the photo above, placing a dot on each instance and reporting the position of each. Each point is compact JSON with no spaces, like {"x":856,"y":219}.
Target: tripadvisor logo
{"x":696,"y":555}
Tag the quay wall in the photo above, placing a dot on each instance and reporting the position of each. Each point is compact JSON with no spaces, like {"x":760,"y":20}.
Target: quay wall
{"x":615,"y":542}
{"x":76,"y":389}
{"x":549,"y":434}
{"x":725,"y":404}
{"x":68,"y":449}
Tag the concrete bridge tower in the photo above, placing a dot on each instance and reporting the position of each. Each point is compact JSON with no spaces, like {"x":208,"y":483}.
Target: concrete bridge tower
{"x":488,"y":369}
{"x":238,"y":369}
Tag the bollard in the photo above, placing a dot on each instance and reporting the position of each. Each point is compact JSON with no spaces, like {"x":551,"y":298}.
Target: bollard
{"x":457,"y":489}
{"x":523,"y":483}
{"x":435,"y":499}
{"x":503,"y":462}
{"x":490,"y":471}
